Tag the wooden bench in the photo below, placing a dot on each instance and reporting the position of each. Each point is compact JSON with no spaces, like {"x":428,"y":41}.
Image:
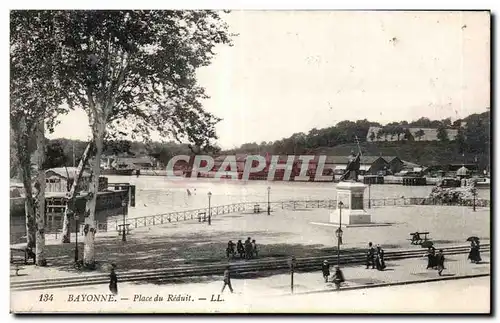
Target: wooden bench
{"x":26,"y":254}
{"x":256,"y":208}
{"x":202,"y":217}
{"x":416,"y":238}
{"x":122,"y":226}
{"x":17,"y":268}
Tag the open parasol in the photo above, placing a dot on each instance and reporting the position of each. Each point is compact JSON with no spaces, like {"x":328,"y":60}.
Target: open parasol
{"x":473,"y":238}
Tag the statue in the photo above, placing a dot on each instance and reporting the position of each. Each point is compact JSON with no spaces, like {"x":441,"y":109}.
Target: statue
{"x":352,"y":169}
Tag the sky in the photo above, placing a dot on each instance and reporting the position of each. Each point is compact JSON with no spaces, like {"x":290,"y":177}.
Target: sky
{"x":291,"y":71}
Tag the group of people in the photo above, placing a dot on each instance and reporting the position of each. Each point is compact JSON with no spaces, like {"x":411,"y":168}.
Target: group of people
{"x":435,"y":261}
{"x":474,"y":254}
{"x":338,"y":276}
{"x":246,"y":250}
{"x":375,"y":257}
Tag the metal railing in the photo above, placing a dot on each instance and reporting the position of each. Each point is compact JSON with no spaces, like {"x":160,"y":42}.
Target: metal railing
{"x":196,"y":214}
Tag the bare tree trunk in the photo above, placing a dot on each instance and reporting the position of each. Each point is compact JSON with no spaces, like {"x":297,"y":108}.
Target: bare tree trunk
{"x":40,"y":196}
{"x":90,"y":222}
{"x":71,"y":196}
{"x":23,"y":157}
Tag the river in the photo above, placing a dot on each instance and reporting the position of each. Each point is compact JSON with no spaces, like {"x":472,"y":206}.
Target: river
{"x":159,"y":194}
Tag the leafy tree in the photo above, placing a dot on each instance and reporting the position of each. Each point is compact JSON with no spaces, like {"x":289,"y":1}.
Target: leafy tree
{"x":117,"y":147}
{"x":372,"y":136}
{"x":407,"y":135}
{"x":35,"y":102}
{"x":419,"y":134}
{"x":446,"y":122}
{"x":422,"y":122}
{"x":477,"y":133}
{"x":134,"y":72}
{"x":460,"y":141}
{"x":54,"y":156}
{"x":399,"y":130}
{"x":380,"y":134}
{"x":442,"y":134}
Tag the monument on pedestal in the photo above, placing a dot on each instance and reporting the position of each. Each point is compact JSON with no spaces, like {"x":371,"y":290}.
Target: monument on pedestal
{"x":350,"y":192}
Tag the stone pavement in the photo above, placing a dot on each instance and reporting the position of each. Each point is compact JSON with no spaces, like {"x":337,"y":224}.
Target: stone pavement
{"x":397,"y":271}
{"x":272,"y":293}
{"x":282,"y":234}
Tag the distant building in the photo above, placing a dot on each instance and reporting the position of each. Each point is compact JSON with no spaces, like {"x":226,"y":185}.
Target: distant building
{"x":368,"y":164}
{"x":131,"y":163}
{"x":395,"y":164}
{"x":60,"y":178}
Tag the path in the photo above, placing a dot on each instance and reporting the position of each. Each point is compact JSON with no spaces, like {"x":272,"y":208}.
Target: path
{"x":255,"y":294}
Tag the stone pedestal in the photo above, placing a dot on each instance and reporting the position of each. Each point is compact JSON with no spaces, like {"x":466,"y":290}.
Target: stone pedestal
{"x":351,"y":194}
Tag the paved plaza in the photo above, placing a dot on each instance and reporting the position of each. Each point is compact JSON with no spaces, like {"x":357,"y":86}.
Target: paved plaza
{"x":282,"y":234}
{"x":262,"y":293}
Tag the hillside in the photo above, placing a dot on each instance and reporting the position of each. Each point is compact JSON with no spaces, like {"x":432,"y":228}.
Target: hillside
{"x":423,"y":153}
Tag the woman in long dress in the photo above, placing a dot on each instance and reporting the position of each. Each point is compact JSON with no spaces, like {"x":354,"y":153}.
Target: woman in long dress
{"x":113,"y":280}
{"x":474,"y":254}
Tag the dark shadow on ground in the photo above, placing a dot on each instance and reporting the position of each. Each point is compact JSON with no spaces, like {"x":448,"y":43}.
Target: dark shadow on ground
{"x":157,"y":252}
{"x":436,"y":242}
{"x":234,"y":275}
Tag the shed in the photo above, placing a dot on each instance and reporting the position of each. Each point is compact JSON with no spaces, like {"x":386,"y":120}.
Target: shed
{"x":60,"y":178}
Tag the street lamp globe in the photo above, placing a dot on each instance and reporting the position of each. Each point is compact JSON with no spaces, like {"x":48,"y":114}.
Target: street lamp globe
{"x":269,"y":188}
{"x":209,"y":194}
{"x":341,"y":204}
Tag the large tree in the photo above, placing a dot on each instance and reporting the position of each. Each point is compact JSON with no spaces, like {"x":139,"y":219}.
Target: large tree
{"x":442,"y":133}
{"x":135,"y":72}
{"x":34,"y":102}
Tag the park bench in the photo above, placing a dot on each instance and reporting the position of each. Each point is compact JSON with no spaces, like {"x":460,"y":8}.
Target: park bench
{"x":24,"y":253}
{"x":202,"y":217}
{"x":17,"y":268}
{"x":121,"y":227}
{"x":416,"y":238}
{"x":256,"y":208}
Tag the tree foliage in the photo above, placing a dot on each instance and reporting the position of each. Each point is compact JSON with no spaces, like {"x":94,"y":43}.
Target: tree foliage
{"x":35,"y":99}
{"x":442,"y":134}
{"x":138,"y":67}
{"x":54,"y":155}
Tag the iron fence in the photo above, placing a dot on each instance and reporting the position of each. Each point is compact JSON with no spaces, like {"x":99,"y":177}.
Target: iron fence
{"x":202,"y":213}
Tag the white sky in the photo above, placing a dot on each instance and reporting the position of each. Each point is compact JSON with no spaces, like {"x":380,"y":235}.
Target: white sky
{"x":291,"y":71}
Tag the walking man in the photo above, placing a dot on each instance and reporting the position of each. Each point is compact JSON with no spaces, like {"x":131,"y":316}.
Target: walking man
{"x":248,"y":248}
{"x":325,"y":268}
{"x":255,"y":252}
{"x":227,"y":280}
{"x":240,"y":249}
{"x":370,"y":255}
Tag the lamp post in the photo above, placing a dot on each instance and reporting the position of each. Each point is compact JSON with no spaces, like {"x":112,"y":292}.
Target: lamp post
{"x":292,"y":262}
{"x":209,"y":209}
{"x":77,"y":218}
{"x":474,"y":192}
{"x":268,"y":200}
{"x":369,"y":195}
{"x":124,"y":206}
{"x":339,"y":233}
